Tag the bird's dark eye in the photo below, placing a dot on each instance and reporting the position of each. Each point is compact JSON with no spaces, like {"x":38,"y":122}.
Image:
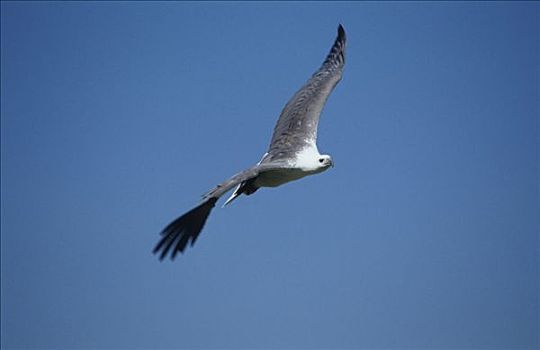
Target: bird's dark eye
{"x":321,"y":160}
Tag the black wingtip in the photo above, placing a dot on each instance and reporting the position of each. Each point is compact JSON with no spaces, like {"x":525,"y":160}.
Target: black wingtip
{"x":184,"y":230}
{"x":336,"y":57}
{"x":341,"y":33}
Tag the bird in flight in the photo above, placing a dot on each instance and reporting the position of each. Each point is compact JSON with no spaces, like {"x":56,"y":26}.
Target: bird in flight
{"x":292,"y":154}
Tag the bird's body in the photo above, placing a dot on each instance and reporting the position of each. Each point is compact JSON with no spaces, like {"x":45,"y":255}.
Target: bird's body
{"x":278,"y":177}
{"x":292,"y":154}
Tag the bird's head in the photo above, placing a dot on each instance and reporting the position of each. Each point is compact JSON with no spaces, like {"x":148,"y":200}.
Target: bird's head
{"x":325,"y":161}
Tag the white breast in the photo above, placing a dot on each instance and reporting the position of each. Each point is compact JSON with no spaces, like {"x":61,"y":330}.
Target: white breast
{"x":307,"y":159}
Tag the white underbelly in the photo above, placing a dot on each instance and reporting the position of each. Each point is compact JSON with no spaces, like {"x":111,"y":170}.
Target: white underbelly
{"x":275,"y":178}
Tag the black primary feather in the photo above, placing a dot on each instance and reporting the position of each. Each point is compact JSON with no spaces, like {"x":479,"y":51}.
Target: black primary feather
{"x":179,"y":233}
{"x":336,"y":56}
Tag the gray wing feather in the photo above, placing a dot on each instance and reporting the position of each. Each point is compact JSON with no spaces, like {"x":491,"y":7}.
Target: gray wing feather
{"x":228,"y":184}
{"x":298,"y":122}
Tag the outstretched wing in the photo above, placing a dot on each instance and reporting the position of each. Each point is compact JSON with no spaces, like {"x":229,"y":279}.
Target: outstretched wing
{"x":297,"y":125}
{"x":185,"y":229}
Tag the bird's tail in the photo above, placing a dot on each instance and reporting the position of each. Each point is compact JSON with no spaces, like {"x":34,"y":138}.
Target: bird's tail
{"x":184,"y":230}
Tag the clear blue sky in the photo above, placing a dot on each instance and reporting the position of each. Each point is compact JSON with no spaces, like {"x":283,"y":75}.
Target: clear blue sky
{"x":116,"y":117}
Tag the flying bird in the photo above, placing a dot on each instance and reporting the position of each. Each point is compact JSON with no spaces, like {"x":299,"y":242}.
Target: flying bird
{"x":292,"y":154}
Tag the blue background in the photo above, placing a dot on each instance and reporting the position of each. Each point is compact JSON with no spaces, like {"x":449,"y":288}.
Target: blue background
{"x":116,"y":117}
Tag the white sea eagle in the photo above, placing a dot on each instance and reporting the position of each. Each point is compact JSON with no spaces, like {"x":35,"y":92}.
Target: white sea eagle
{"x":292,"y":154}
